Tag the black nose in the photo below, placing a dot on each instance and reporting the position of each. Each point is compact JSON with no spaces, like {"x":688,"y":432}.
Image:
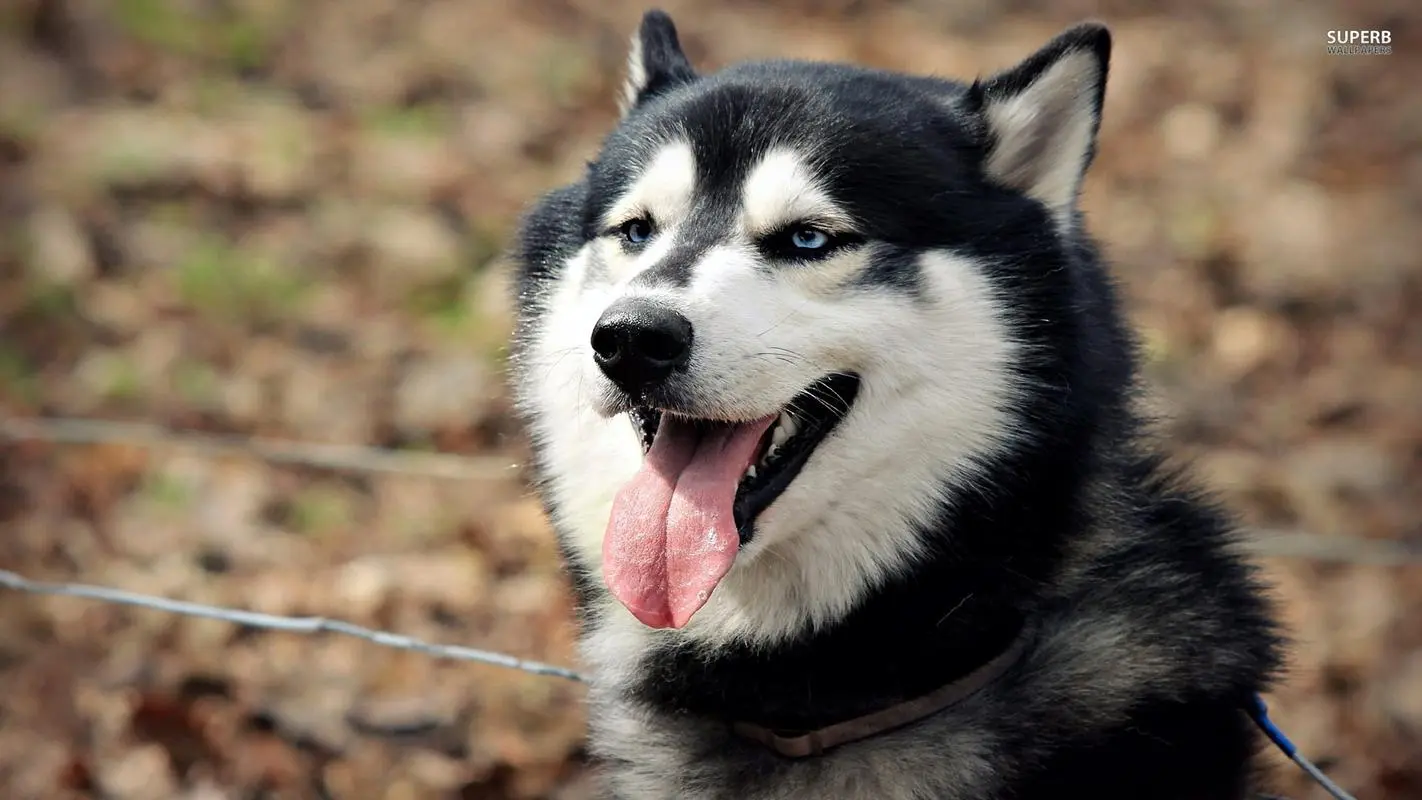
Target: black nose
{"x":638,"y":343}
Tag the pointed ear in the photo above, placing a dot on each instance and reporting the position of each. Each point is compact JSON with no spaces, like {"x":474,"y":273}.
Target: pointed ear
{"x":1041,"y":117}
{"x":655,"y":62}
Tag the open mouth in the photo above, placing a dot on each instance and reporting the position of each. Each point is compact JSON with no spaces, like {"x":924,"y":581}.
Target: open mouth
{"x":784,"y":447}
{"x":677,"y":525}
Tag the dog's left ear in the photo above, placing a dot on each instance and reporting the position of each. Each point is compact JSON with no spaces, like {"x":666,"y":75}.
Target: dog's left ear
{"x":1041,"y":117}
{"x":655,"y":62}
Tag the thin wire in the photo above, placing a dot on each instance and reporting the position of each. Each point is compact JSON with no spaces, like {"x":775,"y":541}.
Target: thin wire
{"x":273,"y":622}
{"x":328,"y":456}
{"x":1257,"y":710}
{"x":312,"y":625}
{"x":1260,"y":714}
{"x":1288,"y":544}
{"x":69,"y":430}
{"x":1339,"y":549}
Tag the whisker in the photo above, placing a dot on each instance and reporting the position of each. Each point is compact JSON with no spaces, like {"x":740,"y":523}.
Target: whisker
{"x":790,"y":353}
{"x":776,"y":356}
{"x":561,"y":354}
{"x":777,"y":324}
{"x":815,"y":392}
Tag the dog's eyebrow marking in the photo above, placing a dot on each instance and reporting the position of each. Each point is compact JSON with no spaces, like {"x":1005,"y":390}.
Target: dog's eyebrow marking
{"x":662,"y":191}
{"x":782,"y":190}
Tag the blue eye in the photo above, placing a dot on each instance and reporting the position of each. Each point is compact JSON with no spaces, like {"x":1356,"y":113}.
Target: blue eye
{"x":804,"y":242}
{"x":809,"y":238}
{"x":637,"y":231}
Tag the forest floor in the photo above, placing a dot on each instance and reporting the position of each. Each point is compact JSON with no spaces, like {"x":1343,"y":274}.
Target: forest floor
{"x":284,"y":218}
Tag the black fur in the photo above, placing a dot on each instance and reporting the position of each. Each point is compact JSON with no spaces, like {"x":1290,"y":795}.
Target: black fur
{"x":664,"y":66}
{"x":906,"y":156}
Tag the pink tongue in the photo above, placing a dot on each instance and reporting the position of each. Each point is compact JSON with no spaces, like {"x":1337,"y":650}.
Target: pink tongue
{"x":672,"y":535}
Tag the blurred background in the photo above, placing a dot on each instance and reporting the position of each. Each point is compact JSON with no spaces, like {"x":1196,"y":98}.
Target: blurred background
{"x":284,"y":218}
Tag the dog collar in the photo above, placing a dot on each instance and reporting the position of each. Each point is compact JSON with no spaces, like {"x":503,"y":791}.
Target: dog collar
{"x":816,"y":742}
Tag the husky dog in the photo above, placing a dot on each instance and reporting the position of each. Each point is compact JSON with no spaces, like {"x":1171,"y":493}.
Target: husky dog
{"x":831,"y":402}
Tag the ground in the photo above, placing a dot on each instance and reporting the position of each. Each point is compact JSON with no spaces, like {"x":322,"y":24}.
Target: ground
{"x":284,"y":218}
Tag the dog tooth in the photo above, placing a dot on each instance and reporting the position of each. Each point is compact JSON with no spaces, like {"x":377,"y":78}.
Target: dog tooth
{"x":770,"y":452}
{"x":779,"y":436}
{"x":750,"y":473}
{"x":788,"y":424}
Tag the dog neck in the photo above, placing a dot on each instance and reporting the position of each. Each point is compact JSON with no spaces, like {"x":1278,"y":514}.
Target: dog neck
{"x":908,"y":641}
{"x":816,"y":742}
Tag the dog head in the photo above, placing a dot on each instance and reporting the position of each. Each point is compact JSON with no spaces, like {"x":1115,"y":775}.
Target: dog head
{"x":789,"y":313}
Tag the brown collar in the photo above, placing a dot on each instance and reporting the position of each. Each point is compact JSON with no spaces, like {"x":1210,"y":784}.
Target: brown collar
{"x":816,"y":742}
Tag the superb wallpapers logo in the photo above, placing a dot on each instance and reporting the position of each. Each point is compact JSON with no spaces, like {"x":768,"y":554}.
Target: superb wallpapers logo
{"x":1359,"y":43}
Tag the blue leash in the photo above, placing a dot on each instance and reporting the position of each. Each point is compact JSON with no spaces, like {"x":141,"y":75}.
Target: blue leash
{"x":1260,"y":714}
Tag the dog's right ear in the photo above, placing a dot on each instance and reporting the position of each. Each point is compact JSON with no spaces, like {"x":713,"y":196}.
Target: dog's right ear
{"x":655,"y":62}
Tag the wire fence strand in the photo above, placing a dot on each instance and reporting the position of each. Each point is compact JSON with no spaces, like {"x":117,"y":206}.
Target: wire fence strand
{"x":1285,"y":544}
{"x":62,"y":430}
{"x":444,"y":466}
{"x":273,"y":622}
{"x":1333,"y":548}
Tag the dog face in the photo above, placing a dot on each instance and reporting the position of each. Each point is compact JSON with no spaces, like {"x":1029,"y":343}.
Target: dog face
{"x":787,"y":315}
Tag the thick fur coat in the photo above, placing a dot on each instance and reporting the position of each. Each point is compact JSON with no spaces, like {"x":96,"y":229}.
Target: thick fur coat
{"x":914,"y":245}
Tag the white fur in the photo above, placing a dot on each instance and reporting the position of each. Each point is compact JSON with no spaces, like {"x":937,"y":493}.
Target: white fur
{"x":782,"y":190}
{"x":1044,"y":133}
{"x":951,"y":758}
{"x":661,"y":193}
{"x":663,"y":190}
{"x":935,"y":381}
{"x":636,"y":79}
